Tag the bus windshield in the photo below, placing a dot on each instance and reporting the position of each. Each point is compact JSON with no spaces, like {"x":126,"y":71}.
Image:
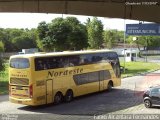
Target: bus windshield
{"x":19,"y":63}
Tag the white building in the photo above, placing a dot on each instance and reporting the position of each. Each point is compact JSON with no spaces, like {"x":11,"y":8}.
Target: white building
{"x":130,"y":55}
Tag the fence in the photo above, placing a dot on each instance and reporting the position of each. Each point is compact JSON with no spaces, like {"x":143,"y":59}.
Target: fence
{"x":150,"y":52}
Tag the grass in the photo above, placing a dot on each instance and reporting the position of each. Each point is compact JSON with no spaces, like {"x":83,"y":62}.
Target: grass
{"x":134,"y":68}
{"x":4,"y":81}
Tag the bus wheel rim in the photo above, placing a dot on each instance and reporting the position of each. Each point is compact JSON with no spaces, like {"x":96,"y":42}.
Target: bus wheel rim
{"x":69,"y":96}
{"x":58,"y":98}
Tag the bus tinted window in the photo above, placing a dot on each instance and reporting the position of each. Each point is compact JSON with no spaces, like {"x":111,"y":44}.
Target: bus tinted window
{"x":44,"y":63}
{"x":91,"y":77}
{"x":85,"y":59}
{"x":74,"y":60}
{"x":19,"y":63}
{"x":47,"y":63}
{"x":91,"y":58}
{"x":56,"y":62}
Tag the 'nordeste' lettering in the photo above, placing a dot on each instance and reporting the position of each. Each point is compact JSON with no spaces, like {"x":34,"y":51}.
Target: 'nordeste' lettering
{"x":64,"y":73}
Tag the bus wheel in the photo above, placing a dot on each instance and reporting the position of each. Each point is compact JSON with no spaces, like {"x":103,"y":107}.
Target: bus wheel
{"x":109,"y":86}
{"x":69,"y":96}
{"x":58,"y":98}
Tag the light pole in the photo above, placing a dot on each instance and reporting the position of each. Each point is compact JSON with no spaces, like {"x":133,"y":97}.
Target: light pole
{"x":134,"y":39}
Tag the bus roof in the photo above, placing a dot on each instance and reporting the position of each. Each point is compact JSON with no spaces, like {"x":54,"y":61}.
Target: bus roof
{"x":64,"y":53}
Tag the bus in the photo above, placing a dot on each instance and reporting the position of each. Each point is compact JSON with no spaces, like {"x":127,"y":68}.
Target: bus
{"x":43,"y":78}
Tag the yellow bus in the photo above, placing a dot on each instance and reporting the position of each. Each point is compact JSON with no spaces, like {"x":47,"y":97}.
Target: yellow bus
{"x":43,"y":78}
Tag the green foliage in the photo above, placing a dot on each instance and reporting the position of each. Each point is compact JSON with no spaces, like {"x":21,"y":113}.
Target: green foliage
{"x":25,"y":40}
{"x":95,"y":33}
{"x":109,"y":39}
{"x":1,"y":64}
{"x":78,"y":36}
{"x":149,"y":41}
{"x":112,"y":37}
{"x":4,"y":37}
{"x":17,"y":39}
{"x":1,"y":46}
{"x":4,"y":80}
{"x":62,"y":34}
{"x":145,"y":41}
{"x":1,"y":60}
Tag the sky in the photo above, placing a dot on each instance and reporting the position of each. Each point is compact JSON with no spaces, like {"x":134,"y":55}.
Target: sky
{"x":31,"y":20}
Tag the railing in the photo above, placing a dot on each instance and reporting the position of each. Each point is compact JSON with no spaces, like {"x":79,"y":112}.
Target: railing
{"x":150,"y":52}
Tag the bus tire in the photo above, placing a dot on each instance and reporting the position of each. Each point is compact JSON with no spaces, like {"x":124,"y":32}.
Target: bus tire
{"x":58,"y":98}
{"x":69,"y":96}
{"x":109,"y":86}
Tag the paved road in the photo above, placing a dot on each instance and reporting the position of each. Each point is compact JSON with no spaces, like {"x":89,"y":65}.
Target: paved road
{"x":126,"y":99}
{"x":3,"y":98}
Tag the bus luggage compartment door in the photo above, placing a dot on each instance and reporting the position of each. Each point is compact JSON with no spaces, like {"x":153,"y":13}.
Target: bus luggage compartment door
{"x":49,"y":91}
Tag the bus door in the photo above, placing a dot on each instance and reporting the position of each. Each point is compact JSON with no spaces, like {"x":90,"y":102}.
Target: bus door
{"x":101,"y":80}
{"x":49,"y":91}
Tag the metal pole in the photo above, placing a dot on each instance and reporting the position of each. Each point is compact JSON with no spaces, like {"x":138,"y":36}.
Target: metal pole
{"x":146,"y":49}
{"x":124,"y":69}
{"x":124,"y":47}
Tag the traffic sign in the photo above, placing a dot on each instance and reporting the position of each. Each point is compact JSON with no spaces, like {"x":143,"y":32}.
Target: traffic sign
{"x":142,"y":29}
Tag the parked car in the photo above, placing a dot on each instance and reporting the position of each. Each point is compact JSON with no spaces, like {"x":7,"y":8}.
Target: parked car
{"x":152,"y":96}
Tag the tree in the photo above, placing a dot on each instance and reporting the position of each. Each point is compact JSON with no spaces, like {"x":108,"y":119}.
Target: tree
{"x":152,"y":42}
{"x":109,"y":39}
{"x":78,"y":37}
{"x":26,"y":40}
{"x":146,"y":41}
{"x":62,"y":34}
{"x":1,"y":64}
{"x":1,"y":46}
{"x":4,"y":37}
{"x":17,"y":39}
{"x":1,"y":60}
{"x":42,"y":33}
{"x":112,"y":37}
{"x":95,"y":33}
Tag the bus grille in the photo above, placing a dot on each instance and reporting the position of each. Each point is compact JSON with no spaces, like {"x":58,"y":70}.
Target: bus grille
{"x":19,"y":81}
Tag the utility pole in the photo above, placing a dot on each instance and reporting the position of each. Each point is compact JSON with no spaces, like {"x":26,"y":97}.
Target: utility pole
{"x":146,"y":48}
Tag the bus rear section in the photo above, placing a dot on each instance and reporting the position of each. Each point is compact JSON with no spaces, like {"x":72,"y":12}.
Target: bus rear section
{"x":20,"y":84}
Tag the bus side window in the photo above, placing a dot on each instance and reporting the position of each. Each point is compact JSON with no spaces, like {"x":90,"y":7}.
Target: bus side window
{"x":84,"y":59}
{"x":54,"y":63}
{"x":63,"y":62}
{"x":39,"y":65}
{"x":96,"y":58}
{"x":48,"y":63}
{"x":74,"y":61}
{"x":105,"y":57}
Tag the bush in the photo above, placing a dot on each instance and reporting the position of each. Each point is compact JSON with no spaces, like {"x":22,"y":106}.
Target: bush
{"x":2,"y":67}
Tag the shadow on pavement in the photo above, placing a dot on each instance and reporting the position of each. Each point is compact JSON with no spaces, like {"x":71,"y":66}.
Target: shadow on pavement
{"x":97,"y":103}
